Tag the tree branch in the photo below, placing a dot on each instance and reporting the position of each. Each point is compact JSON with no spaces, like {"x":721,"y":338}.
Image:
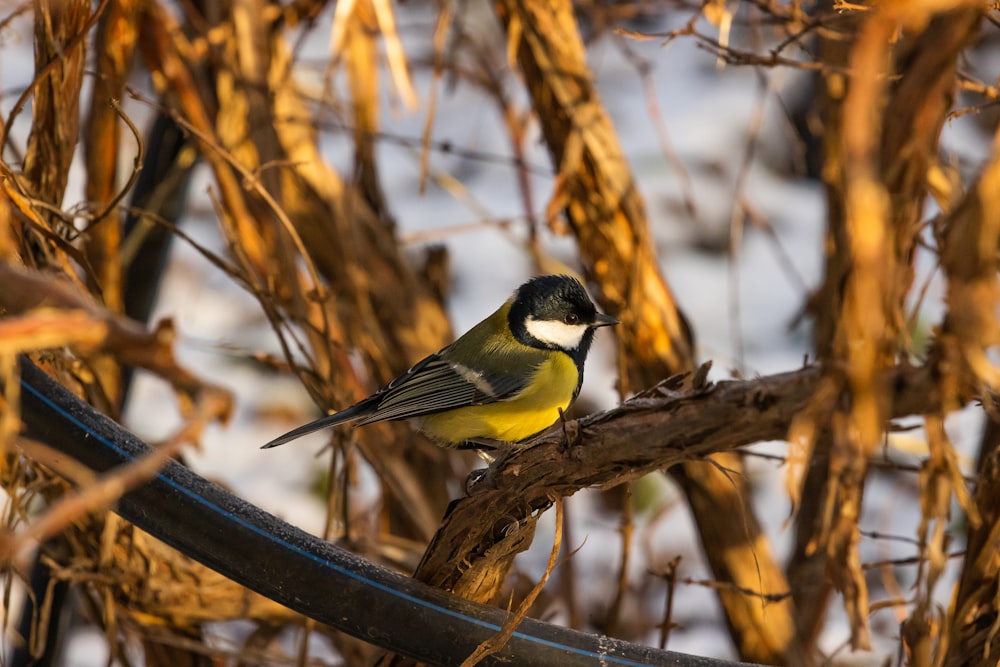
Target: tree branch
{"x":682,"y":419}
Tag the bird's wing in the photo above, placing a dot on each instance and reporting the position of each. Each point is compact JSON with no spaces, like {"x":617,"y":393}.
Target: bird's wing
{"x":436,"y":385}
{"x":432,"y":385}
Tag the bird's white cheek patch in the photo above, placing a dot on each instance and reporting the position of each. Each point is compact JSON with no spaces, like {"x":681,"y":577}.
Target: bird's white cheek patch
{"x":559,"y":334}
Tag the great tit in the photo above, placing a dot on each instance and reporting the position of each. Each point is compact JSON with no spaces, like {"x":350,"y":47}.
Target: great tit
{"x":503,"y":381}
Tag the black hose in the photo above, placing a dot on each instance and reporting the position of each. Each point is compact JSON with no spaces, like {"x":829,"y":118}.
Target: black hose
{"x":298,"y":570}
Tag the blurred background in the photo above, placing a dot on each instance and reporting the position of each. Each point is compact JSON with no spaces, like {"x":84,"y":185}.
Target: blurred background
{"x":330,"y":191}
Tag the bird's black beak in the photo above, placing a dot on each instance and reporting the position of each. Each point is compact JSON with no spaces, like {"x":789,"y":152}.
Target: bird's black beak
{"x":602,"y":320}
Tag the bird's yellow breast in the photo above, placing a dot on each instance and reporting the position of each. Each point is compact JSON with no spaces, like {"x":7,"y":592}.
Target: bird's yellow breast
{"x":515,"y":419}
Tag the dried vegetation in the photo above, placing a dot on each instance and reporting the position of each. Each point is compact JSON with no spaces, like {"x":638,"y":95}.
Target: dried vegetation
{"x":320,"y":253}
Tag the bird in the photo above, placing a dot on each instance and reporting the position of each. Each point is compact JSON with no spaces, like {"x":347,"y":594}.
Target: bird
{"x":505,"y":380}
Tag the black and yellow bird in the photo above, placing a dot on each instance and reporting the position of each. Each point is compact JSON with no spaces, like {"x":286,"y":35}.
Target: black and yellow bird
{"x":503,"y":381}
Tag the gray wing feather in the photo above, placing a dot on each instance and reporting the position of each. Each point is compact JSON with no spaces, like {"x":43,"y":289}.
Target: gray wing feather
{"x":433,"y":385}
{"x":436,"y":385}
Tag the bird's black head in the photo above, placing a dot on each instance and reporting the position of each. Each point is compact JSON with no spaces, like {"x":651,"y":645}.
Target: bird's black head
{"x":555,"y":313}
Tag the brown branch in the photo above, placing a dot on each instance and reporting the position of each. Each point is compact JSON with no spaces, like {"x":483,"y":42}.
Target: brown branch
{"x":116,"y":31}
{"x":61,"y":40}
{"x":597,"y":190}
{"x":969,"y":238}
{"x":158,"y":37}
{"x":54,"y":314}
{"x":495,"y":643}
{"x":882,"y":128}
{"x":671,"y":424}
{"x":974,"y":617}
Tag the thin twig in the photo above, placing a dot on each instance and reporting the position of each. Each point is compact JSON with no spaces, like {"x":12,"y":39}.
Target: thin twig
{"x":497,"y":641}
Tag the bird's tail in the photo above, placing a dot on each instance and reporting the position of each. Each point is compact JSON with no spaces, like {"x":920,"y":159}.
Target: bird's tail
{"x":346,"y":415}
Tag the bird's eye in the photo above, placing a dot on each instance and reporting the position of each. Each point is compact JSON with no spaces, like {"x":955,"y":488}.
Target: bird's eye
{"x":572,"y":318}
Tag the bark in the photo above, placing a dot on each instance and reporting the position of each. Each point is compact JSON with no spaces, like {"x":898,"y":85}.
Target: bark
{"x":60,"y":50}
{"x":116,"y":32}
{"x":974,"y":615}
{"x":683,"y":419}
